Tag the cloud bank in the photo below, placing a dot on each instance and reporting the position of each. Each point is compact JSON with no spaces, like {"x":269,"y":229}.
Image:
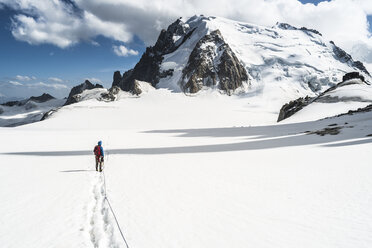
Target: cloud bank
{"x":26,"y":86}
{"x":66,"y":22}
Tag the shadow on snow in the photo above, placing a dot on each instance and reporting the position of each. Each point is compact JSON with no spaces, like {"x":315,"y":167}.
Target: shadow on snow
{"x":255,"y":138}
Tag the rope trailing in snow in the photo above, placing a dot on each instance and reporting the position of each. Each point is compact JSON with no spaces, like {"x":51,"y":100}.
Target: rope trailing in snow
{"x":112,"y":211}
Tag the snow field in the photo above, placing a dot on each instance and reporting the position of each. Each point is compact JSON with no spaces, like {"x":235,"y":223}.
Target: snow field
{"x":185,"y":172}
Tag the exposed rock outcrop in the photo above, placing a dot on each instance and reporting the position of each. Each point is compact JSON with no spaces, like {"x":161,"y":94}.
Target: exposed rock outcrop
{"x":352,"y":75}
{"x":111,"y":95}
{"x":137,"y":89}
{"x":344,"y":57}
{"x":73,"y":97}
{"x":48,"y":114}
{"x":359,"y":110}
{"x":148,"y":68}
{"x":293,"y":107}
{"x":116,"y":78}
{"x":287,"y":26}
{"x":212,"y":63}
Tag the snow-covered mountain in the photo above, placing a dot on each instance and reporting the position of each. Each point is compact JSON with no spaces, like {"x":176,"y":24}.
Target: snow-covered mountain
{"x":33,"y":109}
{"x":279,"y":63}
{"x":268,"y":66}
{"x":16,"y":113}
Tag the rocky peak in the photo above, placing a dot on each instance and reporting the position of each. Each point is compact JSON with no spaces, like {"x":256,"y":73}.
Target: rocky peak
{"x":87,"y":85}
{"x":43,"y":98}
{"x":116,"y":78}
{"x":148,"y":68}
{"x":39,"y":99}
{"x":170,"y":39}
{"x":213,"y":63}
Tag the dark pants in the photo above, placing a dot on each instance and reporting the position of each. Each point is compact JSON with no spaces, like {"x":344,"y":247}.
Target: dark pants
{"x":99,"y":163}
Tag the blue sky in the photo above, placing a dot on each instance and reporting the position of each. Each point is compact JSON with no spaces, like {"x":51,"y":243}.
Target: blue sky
{"x":31,"y":60}
{"x":72,"y":64}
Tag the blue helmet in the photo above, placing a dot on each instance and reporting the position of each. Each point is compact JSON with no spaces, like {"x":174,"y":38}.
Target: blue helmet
{"x":99,"y":143}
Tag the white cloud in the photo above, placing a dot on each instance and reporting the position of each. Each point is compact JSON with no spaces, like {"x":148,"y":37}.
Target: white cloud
{"x":55,"y":79}
{"x":366,"y":5}
{"x":123,"y":51}
{"x":54,"y":86}
{"x":65,"y":23}
{"x":60,"y":23}
{"x":24,"y":78}
{"x":15,"y":83}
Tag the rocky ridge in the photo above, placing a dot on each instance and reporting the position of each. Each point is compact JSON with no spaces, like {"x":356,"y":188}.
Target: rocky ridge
{"x":74,"y":96}
{"x":293,"y":107}
{"x":38,"y":99}
{"x":213,"y":63}
{"x":148,"y":68}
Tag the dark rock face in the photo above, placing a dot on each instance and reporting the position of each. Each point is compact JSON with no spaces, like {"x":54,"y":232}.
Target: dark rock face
{"x":43,"y":98}
{"x":344,"y":57}
{"x":73,"y":96}
{"x":148,"y":68}
{"x":1,"y":111}
{"x":352,"y":75}
{"x":293,"y":107}
{"x":12,"y":103}
{"x":116,"y":78}
{"x":213,"y":62}
{"x":311,"y":30}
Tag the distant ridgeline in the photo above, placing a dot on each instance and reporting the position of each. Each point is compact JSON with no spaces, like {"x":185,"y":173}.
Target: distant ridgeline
{"x":280,"y":64}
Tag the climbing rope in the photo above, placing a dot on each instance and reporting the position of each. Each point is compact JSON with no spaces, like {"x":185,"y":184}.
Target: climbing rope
{"x":112,"y":211}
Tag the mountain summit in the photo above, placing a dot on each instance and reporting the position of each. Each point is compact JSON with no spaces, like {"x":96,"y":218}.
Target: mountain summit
{"x":213,"y":52}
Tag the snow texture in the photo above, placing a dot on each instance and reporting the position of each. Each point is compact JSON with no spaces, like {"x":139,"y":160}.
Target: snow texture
{"x":206,"y":171}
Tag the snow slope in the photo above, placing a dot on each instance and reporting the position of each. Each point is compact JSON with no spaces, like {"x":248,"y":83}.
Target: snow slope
{"x":350,"y":95}
{"x":185,"y":172}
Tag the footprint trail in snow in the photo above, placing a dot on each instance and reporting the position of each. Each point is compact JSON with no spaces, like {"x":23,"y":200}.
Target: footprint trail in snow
{"x":101,"y":225}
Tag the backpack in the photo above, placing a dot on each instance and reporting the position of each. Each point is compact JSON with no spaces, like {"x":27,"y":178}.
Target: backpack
{"x":97,"y":151}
